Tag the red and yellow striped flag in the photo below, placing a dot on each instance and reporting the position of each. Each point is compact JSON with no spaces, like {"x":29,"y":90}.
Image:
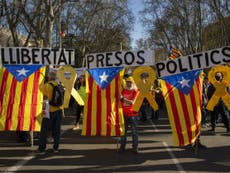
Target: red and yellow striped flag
{"x":20,"y":102}
{"x":103,"y":115}
{"x":174,"y":53}
{"x":183,"y":98}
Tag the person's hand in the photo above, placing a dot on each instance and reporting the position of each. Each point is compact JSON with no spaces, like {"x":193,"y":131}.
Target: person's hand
{"x":120,"y":96}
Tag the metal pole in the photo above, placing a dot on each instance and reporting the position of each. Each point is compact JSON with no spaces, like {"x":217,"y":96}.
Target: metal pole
{"x":32,"y":138}
{"x":60,"y":39}
{"x":121,"y":46}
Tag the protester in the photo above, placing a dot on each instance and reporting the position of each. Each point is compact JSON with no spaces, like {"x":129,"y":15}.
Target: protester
{"x":128,"y":97}
{"x":220,"y":108}
{"x":205,"y":112}
{"x":80,"y":87}
{"x":146,"y":109}
{"x":159,"y":99}
{"x":55,"y":116}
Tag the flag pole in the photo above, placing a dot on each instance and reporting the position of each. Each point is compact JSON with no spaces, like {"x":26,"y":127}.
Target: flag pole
{"x":60,"y":30}
{"x":118,"y":138}
{"x":196,"y":147}
{"x":32,"y":138}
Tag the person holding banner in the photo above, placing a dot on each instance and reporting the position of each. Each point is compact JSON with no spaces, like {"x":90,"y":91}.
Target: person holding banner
{"x":159,"y":99}
{"x":128,"y":97}
{"x":54,"y":119}
{"x":205,"y":112}
{"x":80,"y":86}
{"x":220,"y":108}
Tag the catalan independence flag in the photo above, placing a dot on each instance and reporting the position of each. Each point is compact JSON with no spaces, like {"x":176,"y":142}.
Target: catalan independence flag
{"x":103,"y":115}
{"x":183,"y":98}
{"x":174,"y":53}
{"x":20,"y":97}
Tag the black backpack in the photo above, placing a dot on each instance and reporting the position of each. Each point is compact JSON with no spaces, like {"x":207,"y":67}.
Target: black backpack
{"x":58,"y":95}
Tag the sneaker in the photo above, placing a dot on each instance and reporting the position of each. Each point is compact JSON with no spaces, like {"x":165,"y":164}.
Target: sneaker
{"x":189,"y":146}
{"x":56,"y":151}
{"x":135,"y":150}
{"x":205,"y":125}
{"x":200,"y":145}
{"x":76,"y":127}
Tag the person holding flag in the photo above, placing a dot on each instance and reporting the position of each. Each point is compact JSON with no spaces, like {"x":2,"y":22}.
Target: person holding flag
{"x":128,"y":97}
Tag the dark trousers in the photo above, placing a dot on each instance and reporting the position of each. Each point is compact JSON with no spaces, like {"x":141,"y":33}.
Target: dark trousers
{"x":78,"y":113}
{"x":222,"y":110}
{"x":53,"y":124}
{"x":132,"y":121}
{"x":43,"y":133}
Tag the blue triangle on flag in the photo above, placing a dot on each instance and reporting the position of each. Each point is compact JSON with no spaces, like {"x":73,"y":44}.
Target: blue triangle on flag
{"x":21,"y":72}
{"x":103,"y":76}
{"x":183,"y":81}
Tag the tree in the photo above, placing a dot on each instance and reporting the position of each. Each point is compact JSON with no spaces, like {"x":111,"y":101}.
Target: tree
{"x":181,"y":23}
{"x":97,"y":26}
{"x":90,"y":26}
{"x":12,"y":10}
{"x":33,"y":18}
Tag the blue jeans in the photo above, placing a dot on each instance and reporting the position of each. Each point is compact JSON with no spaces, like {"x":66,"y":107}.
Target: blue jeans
{"x":130,"y":120}
{"x":53,"y":124}
{"x":204,"y":114}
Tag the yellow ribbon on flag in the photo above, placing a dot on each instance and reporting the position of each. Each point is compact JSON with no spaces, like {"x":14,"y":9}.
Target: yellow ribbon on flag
{"x":67,"y":76}
{"x":144,"y":86}
{"x":220,"y":92}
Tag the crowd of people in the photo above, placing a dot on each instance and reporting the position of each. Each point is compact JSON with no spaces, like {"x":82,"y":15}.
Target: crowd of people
{"x":131,"y":117}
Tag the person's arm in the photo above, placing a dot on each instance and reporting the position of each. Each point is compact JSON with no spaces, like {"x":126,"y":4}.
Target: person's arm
{"x":132,"y":101}
{"x":47,"y":90}
{"x":122,"y":98}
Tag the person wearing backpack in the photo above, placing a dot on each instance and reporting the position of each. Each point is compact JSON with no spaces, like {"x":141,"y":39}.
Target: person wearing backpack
{"x":54,"y":91}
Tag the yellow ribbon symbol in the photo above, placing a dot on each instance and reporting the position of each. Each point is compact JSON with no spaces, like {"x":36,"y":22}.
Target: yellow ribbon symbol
{"x":67,"y":76}
{"x":220,"y":87}
{"x":144,"y":78}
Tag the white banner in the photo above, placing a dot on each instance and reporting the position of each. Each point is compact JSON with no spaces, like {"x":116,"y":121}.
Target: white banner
{"x":46,"y":56}
{"x":120,"y":59}
{"x":195,"y":61}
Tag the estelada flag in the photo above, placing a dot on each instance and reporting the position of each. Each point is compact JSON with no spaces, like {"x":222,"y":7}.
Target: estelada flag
{"x":103,"y":115}
{"x":183,"y":98}
{"x":174,"y":53}
{"x":20,"y":97}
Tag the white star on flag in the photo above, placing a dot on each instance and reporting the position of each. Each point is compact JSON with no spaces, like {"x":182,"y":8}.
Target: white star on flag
{"x":103,"y":77}
{"x":23,"y":72}
{"x":184,"y":83}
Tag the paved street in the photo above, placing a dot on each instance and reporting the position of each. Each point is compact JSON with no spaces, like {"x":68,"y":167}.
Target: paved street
{"x":99,"y":154}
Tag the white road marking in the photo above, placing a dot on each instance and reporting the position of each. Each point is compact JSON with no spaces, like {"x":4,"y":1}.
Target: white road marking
{"x":23,"y":162}
{"x":174,"y":159}
{"x":19,"y":164}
